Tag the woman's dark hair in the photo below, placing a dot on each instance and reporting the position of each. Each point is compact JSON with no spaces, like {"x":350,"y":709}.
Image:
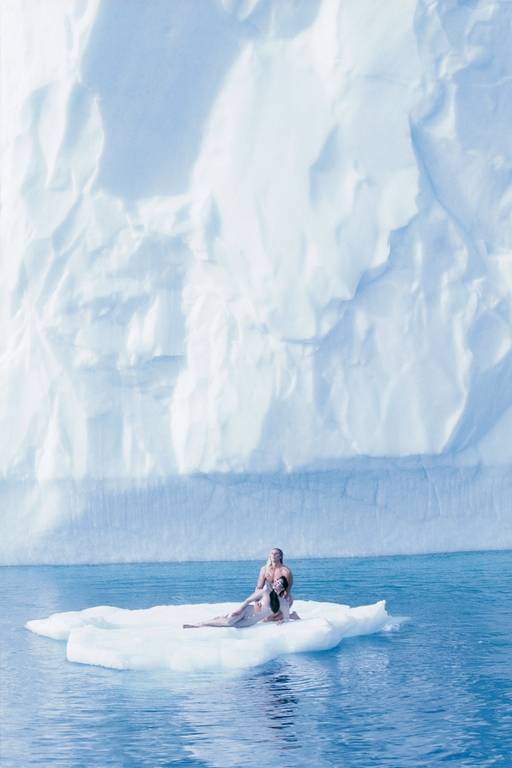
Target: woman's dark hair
{"x":274,"y":599}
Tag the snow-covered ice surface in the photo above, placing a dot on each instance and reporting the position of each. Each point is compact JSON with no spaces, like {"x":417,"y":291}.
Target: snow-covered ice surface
{"x":154,"y":638}
{"x":242,"y":238}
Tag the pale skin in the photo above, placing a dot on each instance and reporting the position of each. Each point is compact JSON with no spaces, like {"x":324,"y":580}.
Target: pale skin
{"x":274,"y":569}
{"x":260,"y":598}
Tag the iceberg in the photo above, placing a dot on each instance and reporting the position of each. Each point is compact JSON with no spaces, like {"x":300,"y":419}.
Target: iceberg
{"x":153,"y":638}
{"x":256,"y":266}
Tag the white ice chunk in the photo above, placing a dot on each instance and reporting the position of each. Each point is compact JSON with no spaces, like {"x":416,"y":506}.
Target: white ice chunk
{"x":154,"y":638}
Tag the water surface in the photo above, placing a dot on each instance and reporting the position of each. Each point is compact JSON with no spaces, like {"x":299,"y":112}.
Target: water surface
{"x":438,"y":691}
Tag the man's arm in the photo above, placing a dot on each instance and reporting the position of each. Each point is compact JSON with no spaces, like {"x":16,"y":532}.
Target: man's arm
{"x":261,"y":578}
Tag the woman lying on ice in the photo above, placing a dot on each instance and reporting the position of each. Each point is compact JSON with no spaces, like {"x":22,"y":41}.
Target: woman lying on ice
{"x":262,"y":605}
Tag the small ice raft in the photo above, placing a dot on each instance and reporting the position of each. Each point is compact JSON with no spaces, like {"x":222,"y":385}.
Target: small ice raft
{"x":154,"y":638}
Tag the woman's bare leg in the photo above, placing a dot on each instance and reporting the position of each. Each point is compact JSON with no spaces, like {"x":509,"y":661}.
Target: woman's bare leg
{"x":218,"y":621}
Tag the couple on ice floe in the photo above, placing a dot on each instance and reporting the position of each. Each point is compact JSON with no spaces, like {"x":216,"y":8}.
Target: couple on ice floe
{"x":271,"y":601}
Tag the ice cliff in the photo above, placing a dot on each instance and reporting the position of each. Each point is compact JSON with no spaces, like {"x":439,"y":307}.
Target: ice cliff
{"x":256,"y":268}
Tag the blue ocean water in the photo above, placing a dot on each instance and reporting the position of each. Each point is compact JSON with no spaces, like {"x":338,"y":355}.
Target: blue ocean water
{"x":436,"y":692}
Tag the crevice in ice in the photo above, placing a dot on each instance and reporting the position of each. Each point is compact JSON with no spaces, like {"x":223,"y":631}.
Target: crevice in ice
{"x":154,"y":115}
{"x":488,"y":400}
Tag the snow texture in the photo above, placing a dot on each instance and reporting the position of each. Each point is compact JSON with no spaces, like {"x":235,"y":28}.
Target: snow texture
{"x":256,"y":260}
{"x":154,"y":639}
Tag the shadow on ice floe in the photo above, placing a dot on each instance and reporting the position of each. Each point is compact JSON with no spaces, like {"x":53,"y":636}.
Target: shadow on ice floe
{"x":154,"y":638}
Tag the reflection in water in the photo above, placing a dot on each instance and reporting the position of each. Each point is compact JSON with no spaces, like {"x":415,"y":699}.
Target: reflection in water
{"x":280,"y":705}
{"x":260,"y":718}
{"x":436,"y":691}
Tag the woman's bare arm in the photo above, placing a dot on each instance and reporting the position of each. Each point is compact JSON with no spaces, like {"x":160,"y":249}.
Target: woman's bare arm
{"x":274,"y":617}
{"x":289,"y":577}
{"x":257,"y":595}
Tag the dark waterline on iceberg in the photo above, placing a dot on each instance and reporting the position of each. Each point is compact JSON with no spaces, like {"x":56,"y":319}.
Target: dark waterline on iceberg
{"x":439,"y":690}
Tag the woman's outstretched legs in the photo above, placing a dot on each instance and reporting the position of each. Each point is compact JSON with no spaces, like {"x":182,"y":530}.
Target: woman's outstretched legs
{"x":218,"y":621}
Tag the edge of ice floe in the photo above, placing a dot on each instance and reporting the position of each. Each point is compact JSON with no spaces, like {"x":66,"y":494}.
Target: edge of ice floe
{"x":153,"y":638}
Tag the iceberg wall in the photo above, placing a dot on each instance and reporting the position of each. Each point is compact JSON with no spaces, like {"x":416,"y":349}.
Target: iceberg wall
{"x":255,"y":255}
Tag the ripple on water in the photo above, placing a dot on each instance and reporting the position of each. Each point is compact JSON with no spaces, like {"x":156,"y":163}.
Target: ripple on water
{"x":439,"y":690}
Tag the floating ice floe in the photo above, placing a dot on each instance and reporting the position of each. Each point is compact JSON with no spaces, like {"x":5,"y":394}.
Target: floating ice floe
{"x":154,"y":638}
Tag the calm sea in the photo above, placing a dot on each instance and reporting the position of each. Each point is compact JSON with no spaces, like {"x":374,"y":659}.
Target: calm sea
{"x":436,"y":692}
